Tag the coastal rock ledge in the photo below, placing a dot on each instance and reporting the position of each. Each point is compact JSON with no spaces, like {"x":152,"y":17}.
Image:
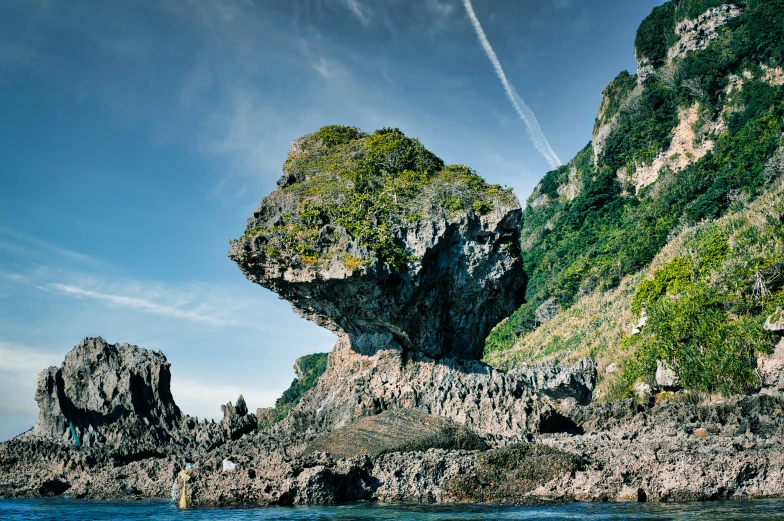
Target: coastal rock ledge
{"x":411,"y":263}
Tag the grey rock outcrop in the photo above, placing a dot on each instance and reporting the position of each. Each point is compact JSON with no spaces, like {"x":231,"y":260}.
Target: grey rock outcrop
{"x":115,"y":400}
{"x":236,"y":420}
{"x":695,"y":35}
{"x":559,"y":383}
{"x":666,"y":377}
{"x":102,"y":389}
{"x":771,"y":368}
{"x":625,"y":451}
{"x":485,"y":400}
{"x":622,"y":451}
{"x":411,"y":337}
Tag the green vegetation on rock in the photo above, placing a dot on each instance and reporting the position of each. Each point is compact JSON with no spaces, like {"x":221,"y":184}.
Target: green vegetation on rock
{"x":614,"y":94}
{"x":656,"y":33}
{"x":705,"y":312}
{"x":310,"y":367}
{"x":371,"y":186}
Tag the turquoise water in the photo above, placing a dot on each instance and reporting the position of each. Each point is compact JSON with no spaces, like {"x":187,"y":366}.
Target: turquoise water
{"x":72,"y":510}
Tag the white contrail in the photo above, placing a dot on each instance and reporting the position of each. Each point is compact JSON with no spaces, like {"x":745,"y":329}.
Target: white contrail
{"x":525,"y":113}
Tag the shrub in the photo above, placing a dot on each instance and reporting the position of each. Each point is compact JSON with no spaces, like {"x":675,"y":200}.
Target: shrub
{"x":656,"y":33}
{"x":311,"y":367}
{"x":370,"y":185}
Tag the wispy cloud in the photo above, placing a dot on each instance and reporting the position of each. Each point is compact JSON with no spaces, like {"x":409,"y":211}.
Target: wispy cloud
{"x":224,"y":306}
{"x":526,"y":114}
{"x":25,"y":359}
{"x":23,"y":241}
{"x":148,"y":306}
{"x":321,"y":67}
{"x":440,"y":8}
{"x":359,"y":10}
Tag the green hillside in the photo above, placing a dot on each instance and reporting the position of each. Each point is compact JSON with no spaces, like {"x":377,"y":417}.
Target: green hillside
{"x":698,"y":138}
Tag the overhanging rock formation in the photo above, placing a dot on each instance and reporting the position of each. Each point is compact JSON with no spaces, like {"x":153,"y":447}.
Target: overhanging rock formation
{"x":412,"y":283}
{"x":457,"y":270}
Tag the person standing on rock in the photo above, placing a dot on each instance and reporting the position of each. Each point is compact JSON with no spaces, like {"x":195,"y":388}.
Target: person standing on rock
{"x":179,"y":487}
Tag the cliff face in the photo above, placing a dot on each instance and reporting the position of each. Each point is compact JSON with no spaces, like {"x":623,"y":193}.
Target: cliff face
{"x":683,"y":170}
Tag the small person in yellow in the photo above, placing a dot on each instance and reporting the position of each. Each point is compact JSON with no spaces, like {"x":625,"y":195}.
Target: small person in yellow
{"x":180,"y":485}
{"x":183,"y":478}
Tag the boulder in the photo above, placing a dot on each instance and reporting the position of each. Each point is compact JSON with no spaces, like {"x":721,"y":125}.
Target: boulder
{"x":775,"y":322}
{"x":102,"y":387}
{"x":771,"y":368}
{"x":637,"y":329}
{"x":510,"y":474}
{"x":643,"y":391}
{"x":701,"y":433}
{"x":667,"y":378}
{"x":237,"y":421}
{"x":397,"y":430}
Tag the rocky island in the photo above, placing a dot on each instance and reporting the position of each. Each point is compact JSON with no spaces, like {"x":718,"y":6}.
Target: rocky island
{"x":423,"y":270}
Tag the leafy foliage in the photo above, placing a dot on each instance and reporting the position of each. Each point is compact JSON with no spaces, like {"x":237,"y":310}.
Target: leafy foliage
{"x":614,"y":95}
{"x":670,"y":279}
{"x":311,"y":367}
{"x":656,"y":33}
{"x":643,"y":132}
{"x":369,"y":185}
{"x":705,"y":313}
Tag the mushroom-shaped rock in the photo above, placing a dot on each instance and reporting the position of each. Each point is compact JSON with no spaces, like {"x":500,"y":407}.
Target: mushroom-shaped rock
{"x":372,"y":236}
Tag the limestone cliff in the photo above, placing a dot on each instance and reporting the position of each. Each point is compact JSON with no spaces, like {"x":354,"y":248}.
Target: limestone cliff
{"x":684,"y":168}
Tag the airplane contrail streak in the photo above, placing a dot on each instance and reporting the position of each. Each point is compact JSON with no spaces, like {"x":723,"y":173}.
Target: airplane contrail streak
{"x":526,"y":114}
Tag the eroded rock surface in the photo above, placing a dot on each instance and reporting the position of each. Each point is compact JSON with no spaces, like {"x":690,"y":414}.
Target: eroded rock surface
{"x":461,"y":276}
{"x":695,"y":35}
{"x":109,"y":427}
{"x":104,"y":389}
{"x":469,"y":392}
{"x":625,"y":452}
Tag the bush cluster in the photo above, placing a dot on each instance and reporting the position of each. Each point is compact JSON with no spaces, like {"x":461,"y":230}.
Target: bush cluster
{"x":369,"y":185}
{"x":705,"y":312}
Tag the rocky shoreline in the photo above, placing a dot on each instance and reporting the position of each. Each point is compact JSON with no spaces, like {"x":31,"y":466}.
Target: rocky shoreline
{"x":405,"y":410}
{"x":620,"y":451}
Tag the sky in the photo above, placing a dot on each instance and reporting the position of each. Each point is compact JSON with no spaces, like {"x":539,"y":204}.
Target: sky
{"x":136,"y":138}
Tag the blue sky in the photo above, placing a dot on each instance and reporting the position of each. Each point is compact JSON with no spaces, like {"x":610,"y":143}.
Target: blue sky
{"x":137,"y":137}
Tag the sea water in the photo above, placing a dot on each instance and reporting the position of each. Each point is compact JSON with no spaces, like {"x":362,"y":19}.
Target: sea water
{"x":63,"y":509}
